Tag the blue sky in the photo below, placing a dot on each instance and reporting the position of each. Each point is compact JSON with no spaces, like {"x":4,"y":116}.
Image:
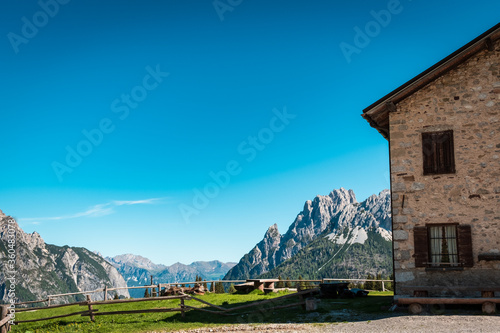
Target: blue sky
{"x":117,"y":115}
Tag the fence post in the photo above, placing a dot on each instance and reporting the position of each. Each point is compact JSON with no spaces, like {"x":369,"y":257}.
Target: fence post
{"x":383,"y":286}
{"x":182,"y":308}
{"x":92,"y":318}
{"x":159,"y":289}
{"x":4,"y":313}
{"x":48,"y":301}
{"x":105,"y":293}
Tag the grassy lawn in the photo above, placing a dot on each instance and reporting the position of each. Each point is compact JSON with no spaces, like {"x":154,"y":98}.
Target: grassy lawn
{"x":166,"y":321}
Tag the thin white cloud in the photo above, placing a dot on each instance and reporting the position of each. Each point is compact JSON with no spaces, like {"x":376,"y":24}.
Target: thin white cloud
{"x":95,"y":211}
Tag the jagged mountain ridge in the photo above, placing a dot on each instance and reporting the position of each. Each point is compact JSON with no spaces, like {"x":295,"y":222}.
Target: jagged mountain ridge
{"x":137,"y":271}
{"x":44,"y":269}
{"x":334,"y":214}
{"x":350,"y":255}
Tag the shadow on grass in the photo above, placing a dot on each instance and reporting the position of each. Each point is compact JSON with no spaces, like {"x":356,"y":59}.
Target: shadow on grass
{"x":328,"y":311}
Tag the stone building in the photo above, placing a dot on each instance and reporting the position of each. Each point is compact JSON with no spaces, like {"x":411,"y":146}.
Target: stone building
{"x":443,"y":128}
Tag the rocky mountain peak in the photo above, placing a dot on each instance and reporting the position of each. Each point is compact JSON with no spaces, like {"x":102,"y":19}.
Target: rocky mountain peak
{"x":272,"y":232}
{"x":342,"y":195}
{"x":135,"y":261}
{"x":326,"y":214}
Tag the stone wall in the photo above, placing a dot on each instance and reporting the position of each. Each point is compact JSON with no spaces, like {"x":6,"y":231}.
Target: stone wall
{"x":467,"y":101}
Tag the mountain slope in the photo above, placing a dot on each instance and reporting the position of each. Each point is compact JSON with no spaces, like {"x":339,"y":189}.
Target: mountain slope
{"x":337,"y":215}
{"x":45,"y":269}
{"x":137,"y":271}
{"x":364,"y":252}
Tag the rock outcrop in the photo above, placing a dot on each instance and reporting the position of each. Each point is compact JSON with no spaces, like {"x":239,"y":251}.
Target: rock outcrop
{"x":43,"y":269}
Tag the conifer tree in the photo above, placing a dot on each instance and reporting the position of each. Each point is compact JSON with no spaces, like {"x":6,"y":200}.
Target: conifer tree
{"x":146,"y":293}
{"x":369,"y":285}
{"x":232,"y":289}
{"x":219,"y":288}
{"x":280,"y":283}
{"x":288,"y":283}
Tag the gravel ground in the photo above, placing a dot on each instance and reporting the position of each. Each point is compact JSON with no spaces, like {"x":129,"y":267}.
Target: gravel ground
{"x":392,"y":323}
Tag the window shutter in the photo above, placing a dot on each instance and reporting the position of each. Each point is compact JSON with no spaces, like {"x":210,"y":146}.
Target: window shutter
{"x":465,"y":245}
{"x":421,"y":247}
{"x":449,"y":154}
{"x":438,"y":152}
{"x":428,"y":153}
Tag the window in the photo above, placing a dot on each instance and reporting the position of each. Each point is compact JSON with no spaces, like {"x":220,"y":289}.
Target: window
{"x":443,"y":245}
{"x":438,"y":152}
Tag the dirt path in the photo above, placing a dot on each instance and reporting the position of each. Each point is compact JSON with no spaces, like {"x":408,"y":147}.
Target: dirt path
{"x":398,"y":323}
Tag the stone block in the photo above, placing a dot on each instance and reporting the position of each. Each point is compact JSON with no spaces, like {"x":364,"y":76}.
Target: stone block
{"x":400,"y":219}
{"x":417,"y":186}
{"x":398,"y":187}
{"x":400,"y":235}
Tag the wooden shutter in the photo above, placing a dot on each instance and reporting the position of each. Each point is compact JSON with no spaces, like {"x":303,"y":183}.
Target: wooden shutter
{"x":438,"y":152}
{"x":420,"y":240}
{"x":428,"y":153}
{"x":465,"y":245}
{"x":446,"y":156}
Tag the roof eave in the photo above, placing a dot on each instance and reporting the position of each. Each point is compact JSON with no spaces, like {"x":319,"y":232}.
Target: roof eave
{"x":377,"y":114}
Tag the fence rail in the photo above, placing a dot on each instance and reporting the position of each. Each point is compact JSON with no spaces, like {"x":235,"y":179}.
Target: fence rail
{"x":92,"y":312}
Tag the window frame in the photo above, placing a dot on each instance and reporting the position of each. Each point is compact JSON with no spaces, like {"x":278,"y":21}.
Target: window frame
{"x":422,"y":253}
{"x":438,"y":152}
{"x":429,"y":245}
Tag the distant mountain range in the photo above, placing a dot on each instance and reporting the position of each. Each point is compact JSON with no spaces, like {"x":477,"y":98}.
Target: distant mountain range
{"x":333,"y":236}
{"x":44,"y":269}
{"x":137,"y":271}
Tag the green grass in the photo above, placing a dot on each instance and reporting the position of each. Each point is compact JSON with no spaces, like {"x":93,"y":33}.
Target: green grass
{"x":194,"y":319}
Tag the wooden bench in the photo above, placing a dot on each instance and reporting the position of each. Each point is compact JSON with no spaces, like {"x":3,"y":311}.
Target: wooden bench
{"x":421,"y":296}
{"x":262,"y":284}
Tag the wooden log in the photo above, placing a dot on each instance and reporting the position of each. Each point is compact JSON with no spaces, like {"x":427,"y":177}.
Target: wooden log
{"x":77,"y":293}
{"x":4,"y":325}
{"x":489,"y":308}
{"x":31,"y":302}
{"x":89,"y":302}
{"x":50,"y":307}
{"x":415,"y":308}
{"x":182,"y":307}
{"x":136,"y":311}
{"x":105,"y":293}
{"x":4,"y":319}
{"x":443,"y":300}
{"x":207,"y":303}
{"x":148,"y":299}
{"x":311,"y":304}
{"x":83,"y":313}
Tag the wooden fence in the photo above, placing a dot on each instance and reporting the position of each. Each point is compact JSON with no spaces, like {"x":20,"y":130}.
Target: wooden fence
{"x":92,"y":312}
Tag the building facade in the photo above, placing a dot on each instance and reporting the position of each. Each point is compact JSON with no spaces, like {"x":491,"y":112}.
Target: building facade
{"x":443,"y":129}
